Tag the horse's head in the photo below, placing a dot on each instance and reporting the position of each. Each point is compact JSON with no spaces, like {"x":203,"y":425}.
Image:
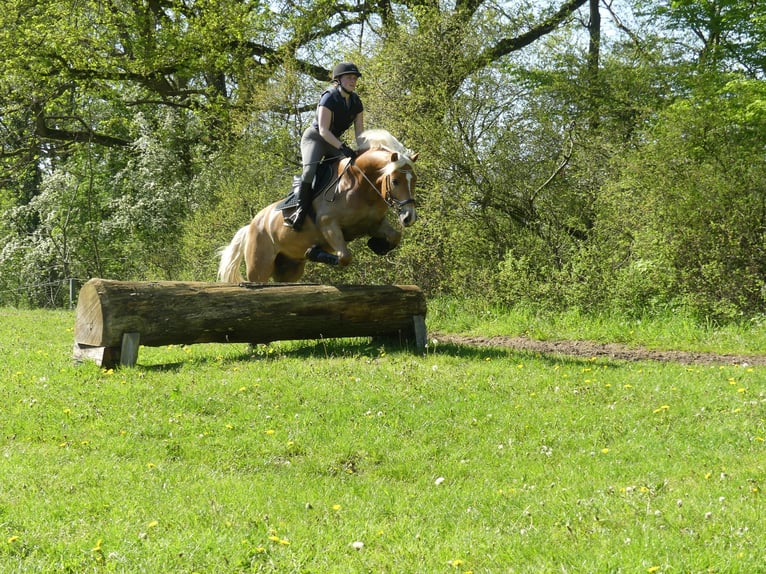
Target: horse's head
{"x":398,"y":185}
{"x":391,"y":166}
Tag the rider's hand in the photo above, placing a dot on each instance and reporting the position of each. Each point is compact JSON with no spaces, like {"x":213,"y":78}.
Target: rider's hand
{"x":347,"y":151}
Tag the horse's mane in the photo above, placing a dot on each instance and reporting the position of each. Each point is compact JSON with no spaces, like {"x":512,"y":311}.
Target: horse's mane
{"x":381,"y":139}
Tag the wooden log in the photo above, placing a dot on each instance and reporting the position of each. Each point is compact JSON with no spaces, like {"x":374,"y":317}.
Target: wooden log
{"x":172,"y":312}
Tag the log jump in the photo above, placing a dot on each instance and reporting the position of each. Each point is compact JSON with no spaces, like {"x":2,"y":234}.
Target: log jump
{"x":114,"y":317}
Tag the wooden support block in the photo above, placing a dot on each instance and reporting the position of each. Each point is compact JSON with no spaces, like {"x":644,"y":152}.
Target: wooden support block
{"x":421,"y":334}
{"x":129,"y":349}
{"x":107,"y":357}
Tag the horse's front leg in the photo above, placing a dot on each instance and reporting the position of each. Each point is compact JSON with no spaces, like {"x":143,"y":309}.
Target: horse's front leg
{"x":333,"y":235}
{"x":384,"y":239}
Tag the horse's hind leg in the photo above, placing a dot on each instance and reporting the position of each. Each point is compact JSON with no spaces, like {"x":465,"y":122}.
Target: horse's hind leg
{"x":259,"y":257}
{"x":288,"y":270}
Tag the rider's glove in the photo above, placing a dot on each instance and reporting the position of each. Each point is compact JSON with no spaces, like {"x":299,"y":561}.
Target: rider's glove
{"x":347,"y":151}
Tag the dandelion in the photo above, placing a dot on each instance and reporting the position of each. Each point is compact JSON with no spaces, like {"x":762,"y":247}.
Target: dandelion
{"x":336,"y":507}
{"x":604,"y":450}
{"x":661,"y":409}
{"x":278,"y":540}
{"x":12,"y":539}
{"x":456,"y":563}
{"x":652,"y":569}
{"x":99,"y":554}
{"x":270,"y":431}
{"x":358,"y":545}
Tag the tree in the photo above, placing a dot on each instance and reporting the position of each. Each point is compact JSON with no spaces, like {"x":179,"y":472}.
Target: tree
{"x":722,"y":34}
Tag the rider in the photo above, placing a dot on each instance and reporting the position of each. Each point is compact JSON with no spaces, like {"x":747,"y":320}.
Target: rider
{"x":338,"y":108}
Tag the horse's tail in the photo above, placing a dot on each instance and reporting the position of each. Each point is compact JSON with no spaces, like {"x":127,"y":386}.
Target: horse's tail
{"x":231,"y":257}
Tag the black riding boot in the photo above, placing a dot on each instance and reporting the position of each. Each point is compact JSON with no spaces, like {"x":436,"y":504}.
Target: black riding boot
{"x":304,"y":206}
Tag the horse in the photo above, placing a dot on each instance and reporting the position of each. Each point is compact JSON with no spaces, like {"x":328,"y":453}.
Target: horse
{"x":380,"y":178}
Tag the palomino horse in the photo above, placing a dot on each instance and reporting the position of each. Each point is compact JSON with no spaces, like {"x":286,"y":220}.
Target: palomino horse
{"x":380,"y":178}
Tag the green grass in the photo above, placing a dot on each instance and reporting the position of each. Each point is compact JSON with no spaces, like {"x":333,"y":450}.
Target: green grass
{"x":213,"y":458}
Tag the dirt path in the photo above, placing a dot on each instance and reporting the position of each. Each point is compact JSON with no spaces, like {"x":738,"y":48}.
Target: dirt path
{"x":590,"y":349}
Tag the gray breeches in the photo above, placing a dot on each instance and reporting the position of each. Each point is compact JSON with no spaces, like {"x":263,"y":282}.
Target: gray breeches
{"x":313,"y":149}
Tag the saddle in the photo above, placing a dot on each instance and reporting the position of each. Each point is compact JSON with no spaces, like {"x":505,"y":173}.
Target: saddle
{"x":323,"y":181}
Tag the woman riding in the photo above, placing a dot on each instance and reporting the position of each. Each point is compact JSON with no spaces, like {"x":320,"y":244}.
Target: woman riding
{"x":338,"y":108}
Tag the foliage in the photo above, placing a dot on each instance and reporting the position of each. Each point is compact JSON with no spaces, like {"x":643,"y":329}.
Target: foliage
{"x":136,"y":137}
{"x":684,"y":223}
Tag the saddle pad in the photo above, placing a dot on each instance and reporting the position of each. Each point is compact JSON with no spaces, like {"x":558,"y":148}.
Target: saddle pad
{"x":322,"y":180}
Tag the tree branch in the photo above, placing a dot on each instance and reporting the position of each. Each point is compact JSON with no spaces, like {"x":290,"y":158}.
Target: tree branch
{"x":508,"y":45}
{"x":86,"y":135}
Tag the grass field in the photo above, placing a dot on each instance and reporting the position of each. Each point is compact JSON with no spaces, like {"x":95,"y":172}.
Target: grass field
{"x":343,"y":456}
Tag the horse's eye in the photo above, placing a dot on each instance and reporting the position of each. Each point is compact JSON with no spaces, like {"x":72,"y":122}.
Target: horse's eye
{"x":395,"y":182}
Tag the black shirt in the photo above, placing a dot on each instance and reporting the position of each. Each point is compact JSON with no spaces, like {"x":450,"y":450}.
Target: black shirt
{"x":342,"y":115}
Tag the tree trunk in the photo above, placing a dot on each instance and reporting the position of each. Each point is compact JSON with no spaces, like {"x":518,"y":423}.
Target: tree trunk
{"x":164,"y":313}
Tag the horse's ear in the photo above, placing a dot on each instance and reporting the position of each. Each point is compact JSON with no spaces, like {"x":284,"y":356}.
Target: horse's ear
{"x":414,"y":156}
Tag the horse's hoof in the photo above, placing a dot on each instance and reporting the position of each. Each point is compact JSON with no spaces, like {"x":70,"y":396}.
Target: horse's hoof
{"x":379,"y":245}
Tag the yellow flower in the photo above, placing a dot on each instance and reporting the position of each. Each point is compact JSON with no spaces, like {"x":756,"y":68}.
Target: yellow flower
{"x":604,"y":450}
{"x":153,"y":524}
{"x":336,"y":507}
{"x":270,"y":431}
{"x":12,"y":539}
{"x":457,"y":563}
{"x":652,"y":569}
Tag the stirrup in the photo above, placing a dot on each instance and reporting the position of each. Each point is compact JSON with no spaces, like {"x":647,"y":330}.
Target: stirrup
{"x":296,"y":219}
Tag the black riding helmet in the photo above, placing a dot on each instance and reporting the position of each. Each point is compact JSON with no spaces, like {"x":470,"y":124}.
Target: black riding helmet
{"x":345,"y":68}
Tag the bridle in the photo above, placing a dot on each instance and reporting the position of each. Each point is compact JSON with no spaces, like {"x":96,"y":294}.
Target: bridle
{"x":386,"y":195}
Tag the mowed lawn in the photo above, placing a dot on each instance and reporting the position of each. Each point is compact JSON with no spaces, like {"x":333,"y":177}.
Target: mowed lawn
{"x":345,"y":456}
